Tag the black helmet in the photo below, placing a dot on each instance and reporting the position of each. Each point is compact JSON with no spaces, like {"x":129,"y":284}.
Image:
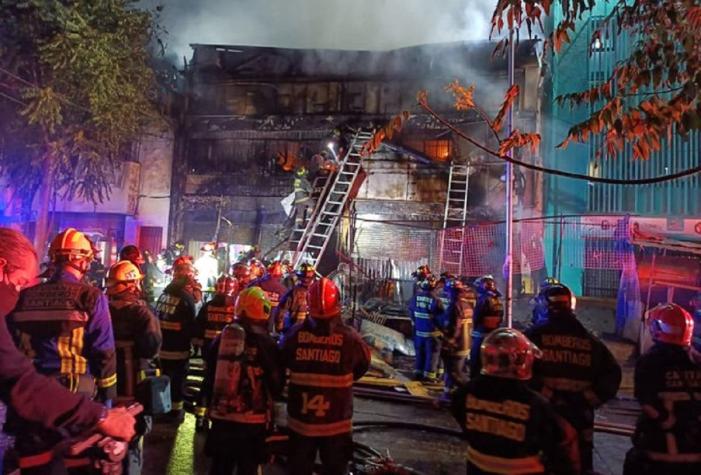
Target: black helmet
{"x":553,"y":300}
{"x":428,"y":283}
{"x":421,"y":273}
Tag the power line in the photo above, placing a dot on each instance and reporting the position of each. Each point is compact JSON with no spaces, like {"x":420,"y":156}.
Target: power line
{"x":552,"y":171}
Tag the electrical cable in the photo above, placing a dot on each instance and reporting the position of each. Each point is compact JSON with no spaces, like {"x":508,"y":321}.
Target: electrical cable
{"x":552,"y":171}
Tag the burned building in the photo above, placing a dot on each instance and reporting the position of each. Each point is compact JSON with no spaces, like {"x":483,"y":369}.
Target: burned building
{"x":254,"y":113}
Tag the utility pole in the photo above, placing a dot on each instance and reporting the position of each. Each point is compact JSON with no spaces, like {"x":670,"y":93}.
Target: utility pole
{"x":509,"y":175}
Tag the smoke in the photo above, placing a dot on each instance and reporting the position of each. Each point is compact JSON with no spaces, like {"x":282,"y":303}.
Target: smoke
{"x":332,"y":24}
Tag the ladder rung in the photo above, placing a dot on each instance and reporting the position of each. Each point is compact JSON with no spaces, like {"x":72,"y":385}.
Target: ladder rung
{"x":320,"y":235}
{"x":312,"y":246}
{"x":334,"y":202}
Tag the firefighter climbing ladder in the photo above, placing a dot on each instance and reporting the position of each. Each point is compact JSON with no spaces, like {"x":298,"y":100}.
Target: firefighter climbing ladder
{"x":319,"y":189}
{"x":455,"y":217}
{"x":323,"y":222}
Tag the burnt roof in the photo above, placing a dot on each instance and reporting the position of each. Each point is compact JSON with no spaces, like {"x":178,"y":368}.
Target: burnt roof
{"x":436,"y":60}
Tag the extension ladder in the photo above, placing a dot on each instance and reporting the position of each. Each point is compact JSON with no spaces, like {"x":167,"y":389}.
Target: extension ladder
{"x":329,"y":208}
{"x":454,"y":220}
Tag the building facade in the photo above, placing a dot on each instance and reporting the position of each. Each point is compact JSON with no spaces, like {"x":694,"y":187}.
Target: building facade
{"x":252,"y":109}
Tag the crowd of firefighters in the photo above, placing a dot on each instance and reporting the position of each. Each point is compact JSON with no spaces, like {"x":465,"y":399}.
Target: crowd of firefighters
{"x":525,"y":401}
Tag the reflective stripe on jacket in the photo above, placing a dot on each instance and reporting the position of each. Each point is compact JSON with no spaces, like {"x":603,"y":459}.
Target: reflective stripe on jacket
{"x":324,"y":358}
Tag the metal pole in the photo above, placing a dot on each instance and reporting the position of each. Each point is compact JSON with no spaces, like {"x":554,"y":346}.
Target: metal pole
{"x":508,"y":260}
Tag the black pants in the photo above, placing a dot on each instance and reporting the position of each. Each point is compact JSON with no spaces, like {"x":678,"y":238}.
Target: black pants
{"x":475,"y":360}
{"x":335,"y":453}
{"x":235,"y":446}
{"x":176,"y":370}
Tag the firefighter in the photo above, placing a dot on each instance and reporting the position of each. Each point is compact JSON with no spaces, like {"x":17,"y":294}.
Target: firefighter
{"x":138,"y":337}
{"x":293,"y":305}
{"x":242,"y":274}
{"x":257,"y":269}
{"x":419,"y":275}
{"x":577,"y":373}
{"x":22,"y":388}
{"x":132,"y":254}
{"x":510,"y":428}
{"x":271,"y":283}
{"x":667,"y":437}
{"x":423,"y":310}
{"x":176,"y":311}
{"x":324,"y":356}
{"x":302,"y":201}
{"x":211,"y":320}
{"x":457,"y":329}
{"x":488,"y":315}
{"x":243,"y":376}
{"x":64,"y":326}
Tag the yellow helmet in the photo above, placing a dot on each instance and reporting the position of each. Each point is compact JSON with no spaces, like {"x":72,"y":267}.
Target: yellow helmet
{"x":253,"y":304}
{"x":123,"y":271}
{"x":71,"y":244}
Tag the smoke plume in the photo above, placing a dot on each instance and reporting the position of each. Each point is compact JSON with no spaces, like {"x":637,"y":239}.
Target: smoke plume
{"x":333,"y":24}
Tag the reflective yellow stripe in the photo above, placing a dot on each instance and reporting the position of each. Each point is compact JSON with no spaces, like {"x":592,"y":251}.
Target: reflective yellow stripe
{"x":142,"y":374}
{"x":174,"y":355}
{"x":322,"y":380}
{"x":320,"y":430}
{"x":172,"y":326}
{"x":177,"y":406}
{"x":211,"y":334}
{"x":77,"y":341}
{"x":63,"y":346}
{"x":491,"y":463}
{"x":428,"y":334}
{"x":107,"y":382}
{"x":200,"y":411}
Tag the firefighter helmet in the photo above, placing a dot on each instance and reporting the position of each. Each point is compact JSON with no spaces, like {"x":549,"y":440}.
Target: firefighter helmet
{"x":553,"y":300}
{"x":301,"y":172}
{"x":226,"y":285}
{"x":253,"y":304}
{"x":421,"y":273}
{"x":257,"y":268}
{"x":324,"y":299}
{"x":242,"y":273}
{"x":123,"y":276}
{"x":306,"y":271}
{"x":131,"y":253}
{"x":486,"y":284}
{"x":71,"y":245}
{"x":275,"y":269}
{"x":508,"y":353}
{"x":183,"y":267}
{"x":670,"y":323}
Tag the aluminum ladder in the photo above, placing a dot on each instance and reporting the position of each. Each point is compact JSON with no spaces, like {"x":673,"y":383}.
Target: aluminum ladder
{"x":328,"y":211}
{"x":319,"y":189}
{"x":454,"y":219}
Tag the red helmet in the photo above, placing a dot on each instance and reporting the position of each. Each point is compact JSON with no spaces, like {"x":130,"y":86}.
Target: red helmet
{"x":257,"y":268}
{"x":324,"y":299}
{"x":670,"y":323}
{"x":242,"y":273}
{"x":226,"y":285}
{"x":275,"y":269}
{"x":508,"y":353}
